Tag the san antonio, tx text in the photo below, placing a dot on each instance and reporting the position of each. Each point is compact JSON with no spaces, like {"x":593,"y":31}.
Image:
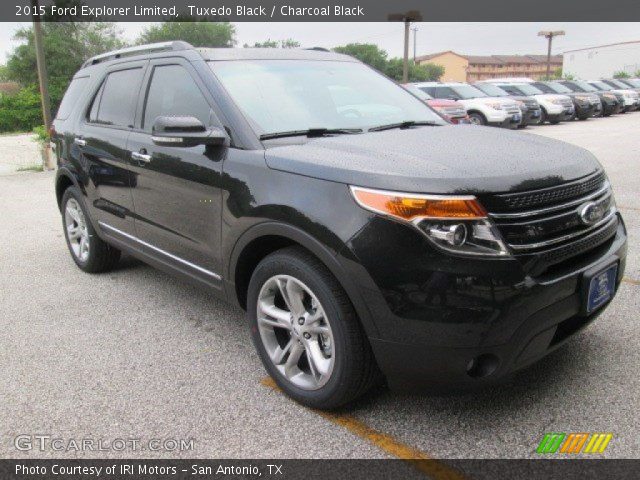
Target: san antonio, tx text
{"x":143,"y":469}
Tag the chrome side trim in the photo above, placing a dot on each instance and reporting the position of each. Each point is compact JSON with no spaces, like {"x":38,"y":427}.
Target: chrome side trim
{"x":553,"y":241}
{"x":159,"y":250}
{"x":542,"y":211}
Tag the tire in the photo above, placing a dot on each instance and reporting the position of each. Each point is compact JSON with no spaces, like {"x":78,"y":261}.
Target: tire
{"x":476,"y":118}
{"x":345,"y":369}
{"x":543,"y":116}
{"x":98,"y":256}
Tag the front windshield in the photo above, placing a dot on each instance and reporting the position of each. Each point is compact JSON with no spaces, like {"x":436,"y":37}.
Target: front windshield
{"x":619,"y":84}
{"x":527,"y":89}
{"x":543,"y":87}
{"x":491,"y":90}
{"x":602,"y":86}
{"x":633,"y":81}
{"x":467,"y":91}
{"x":293,"y":95}
{"x":558,"y":87}
{"x":585,"y":86}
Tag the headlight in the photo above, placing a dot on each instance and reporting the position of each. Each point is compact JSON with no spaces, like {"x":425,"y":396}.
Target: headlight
{"x":556,"y":101}
{"x":495,"y":106}
{"x":582,"y":98}
{"x":457,"y":224}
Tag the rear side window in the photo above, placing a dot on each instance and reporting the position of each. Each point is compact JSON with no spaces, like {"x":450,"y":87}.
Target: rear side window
{"x":173,"y":92}
{"x":115,"y":102}
{"x":71,"y":97}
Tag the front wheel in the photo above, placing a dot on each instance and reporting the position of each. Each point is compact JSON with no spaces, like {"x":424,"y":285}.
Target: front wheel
{"x":476,"y":118}
{"x":306,"y":331}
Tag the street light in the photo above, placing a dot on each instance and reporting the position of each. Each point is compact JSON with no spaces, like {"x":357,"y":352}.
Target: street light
{"x":407,"y":18}
{"x":549,"y":36}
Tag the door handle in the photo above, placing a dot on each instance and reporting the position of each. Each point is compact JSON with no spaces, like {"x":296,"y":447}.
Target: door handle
{"x":79,"y":141}
{"x":141,"y":157}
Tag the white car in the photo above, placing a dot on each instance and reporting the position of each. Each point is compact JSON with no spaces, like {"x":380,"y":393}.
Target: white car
{"x":555,"y":107}
{"x":482,"y":109}
{"x":631,"y":97}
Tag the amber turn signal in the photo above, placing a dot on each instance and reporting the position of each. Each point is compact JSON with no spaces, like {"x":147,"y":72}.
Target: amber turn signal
{"x":410,"y":207}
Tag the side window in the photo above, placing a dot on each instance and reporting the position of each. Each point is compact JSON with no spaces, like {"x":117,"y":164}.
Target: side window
{"x":115,"y":102}
{"x":71,"y":97}
{"x":172,"y":92}
{"x":444,"y":92}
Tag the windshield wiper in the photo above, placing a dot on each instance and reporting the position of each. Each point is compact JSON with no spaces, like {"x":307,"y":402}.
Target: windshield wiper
{"x":311,"y":132}
{"x":401,"y":125}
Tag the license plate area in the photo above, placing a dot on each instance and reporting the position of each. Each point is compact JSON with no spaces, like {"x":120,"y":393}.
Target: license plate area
{"x":599,"y":287}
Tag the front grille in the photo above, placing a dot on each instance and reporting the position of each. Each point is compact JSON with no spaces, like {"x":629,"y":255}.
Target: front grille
{"x":455,"y":112}
{"x":512,"y":109}
{"x":566,"y":102}
{"x":551,"y":223}
{"x":544,"y":197}
{"x":532,"y":105}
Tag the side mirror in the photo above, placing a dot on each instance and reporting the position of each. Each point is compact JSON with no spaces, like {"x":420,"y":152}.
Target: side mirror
{"x":185,"y":132}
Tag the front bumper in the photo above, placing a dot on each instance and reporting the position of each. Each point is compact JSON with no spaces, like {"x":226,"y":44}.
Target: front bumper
{"x":532,"y":117}
{"x":435,"y":327}
{"x":584,"y":110}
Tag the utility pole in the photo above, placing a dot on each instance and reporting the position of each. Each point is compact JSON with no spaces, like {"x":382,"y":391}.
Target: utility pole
{"x":415,"y":35}
{"x":42,"y":77}
{"x":549,"y":36}
{"x":407,"y":18}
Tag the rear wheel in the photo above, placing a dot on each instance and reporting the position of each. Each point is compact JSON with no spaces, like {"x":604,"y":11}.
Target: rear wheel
{"x":88,"y":251}
{"x":306,"y":331}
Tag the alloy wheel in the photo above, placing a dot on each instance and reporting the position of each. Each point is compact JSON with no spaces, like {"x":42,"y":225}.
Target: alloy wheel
{"x":76,"y":230}
{"x":295,"y":332}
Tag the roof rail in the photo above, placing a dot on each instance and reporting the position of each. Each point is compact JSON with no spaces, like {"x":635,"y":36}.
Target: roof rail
{"x":318,"y":49}
{"x":137,"y":50}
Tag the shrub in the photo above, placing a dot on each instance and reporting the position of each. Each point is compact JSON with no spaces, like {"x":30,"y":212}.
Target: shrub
{"x":21,"y":111}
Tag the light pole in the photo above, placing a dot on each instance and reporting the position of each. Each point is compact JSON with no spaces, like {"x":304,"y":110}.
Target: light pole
{"x":407,"y":18}
{"x":415,"y":35}
{"x":549,"y":36}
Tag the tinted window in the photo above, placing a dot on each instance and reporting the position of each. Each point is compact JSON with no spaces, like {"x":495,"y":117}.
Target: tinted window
{"x":71,"y":97}
{"x":174,"y":93}
{"x":444,"y":92}
{"x":118,"y":100}
{"x":93,"y":113}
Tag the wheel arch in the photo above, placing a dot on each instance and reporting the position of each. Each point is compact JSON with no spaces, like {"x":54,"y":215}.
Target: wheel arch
{"x":265,"y":238}
{"x":65,"y":178}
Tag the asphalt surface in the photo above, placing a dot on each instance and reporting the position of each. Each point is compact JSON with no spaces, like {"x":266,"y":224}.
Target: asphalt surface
{"x":137,"y":354}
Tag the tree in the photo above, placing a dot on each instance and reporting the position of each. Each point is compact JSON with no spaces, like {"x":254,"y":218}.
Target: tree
{"x":367,"y":53}
{"x":288,"y":43}
{"x":621,"y":74}
{"x":197,"y":33}
{"x":3,"y":73}
{"x":428,"y":72}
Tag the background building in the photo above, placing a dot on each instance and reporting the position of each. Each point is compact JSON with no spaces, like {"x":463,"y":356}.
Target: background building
{"x":470,"y":68}
{"x":603,"y":61}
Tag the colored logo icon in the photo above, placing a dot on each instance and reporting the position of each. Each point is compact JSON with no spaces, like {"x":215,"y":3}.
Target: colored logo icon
{"x":574,"y":443}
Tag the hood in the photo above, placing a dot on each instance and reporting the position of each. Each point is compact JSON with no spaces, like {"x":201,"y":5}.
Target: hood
{"x":448,"y":159}
{"x":553,"y":96}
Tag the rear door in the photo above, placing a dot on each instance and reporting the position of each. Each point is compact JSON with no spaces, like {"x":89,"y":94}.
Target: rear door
{"x":102,"y":141}
{"x":177,"y":193}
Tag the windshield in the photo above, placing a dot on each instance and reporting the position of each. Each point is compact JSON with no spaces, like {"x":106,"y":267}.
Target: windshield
{"x":585,"y":86}
{"x":558,"y":87}
{"x":424,"y":96}
{"x":467,"y":91}
{"x":491,"y":90}
{"x":527,"y":89}
{"x":619,"y":84}
{"x":633,"y":81}
{"x":292,"y":95}
{"x":602,"y":86}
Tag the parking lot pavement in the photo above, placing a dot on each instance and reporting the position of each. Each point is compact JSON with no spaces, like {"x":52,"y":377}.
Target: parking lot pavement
{"x":137,"y":354}
{"x":18,"y":151}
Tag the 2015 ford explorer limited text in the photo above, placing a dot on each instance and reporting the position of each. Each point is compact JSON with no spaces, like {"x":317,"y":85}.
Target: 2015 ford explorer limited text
{"x":367,"y":239}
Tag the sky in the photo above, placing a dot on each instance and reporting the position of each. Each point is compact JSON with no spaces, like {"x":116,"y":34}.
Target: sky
{"x":478,"y":38}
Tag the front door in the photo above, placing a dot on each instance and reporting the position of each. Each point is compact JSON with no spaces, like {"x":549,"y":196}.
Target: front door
{"x":177,"y":194}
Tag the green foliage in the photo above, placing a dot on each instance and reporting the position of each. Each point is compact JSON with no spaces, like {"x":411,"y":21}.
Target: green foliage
{"x":197,"y":33}
{"x":42,"y":136}
{"x":268,"y":43}
{"x":20,"y":112}
{"x":637,"y":73}
{"x":3,"y":73}
{"x":621,"y":74}
{"x":377,"y":58}
{"x":367,"y":53}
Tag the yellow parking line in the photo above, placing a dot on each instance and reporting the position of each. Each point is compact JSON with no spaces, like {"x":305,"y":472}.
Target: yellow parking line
{"x":631,"y":281}
{"x":387,"y":443}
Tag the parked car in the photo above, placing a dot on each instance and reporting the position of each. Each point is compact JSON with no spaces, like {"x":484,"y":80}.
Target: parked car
{"x":630,"y":98}
{"x":450,"y":110}
{"x":555,"y":108}
{"x":618,"y":83}
{"x":631,"y":82}
{"x":585,"y":105}
{"x":529,"y":106}
{"x":612,"y":102}
{"x":365,"y":240}
{"x":481,"y":108}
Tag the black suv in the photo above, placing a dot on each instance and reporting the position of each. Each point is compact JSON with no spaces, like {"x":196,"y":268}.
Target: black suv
{"x":611,"y":102}
{"x":585,"y":105}
{"x":365,"y":237}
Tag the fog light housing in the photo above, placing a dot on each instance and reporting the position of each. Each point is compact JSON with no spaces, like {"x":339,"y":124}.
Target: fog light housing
{"x":454,"y":235}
